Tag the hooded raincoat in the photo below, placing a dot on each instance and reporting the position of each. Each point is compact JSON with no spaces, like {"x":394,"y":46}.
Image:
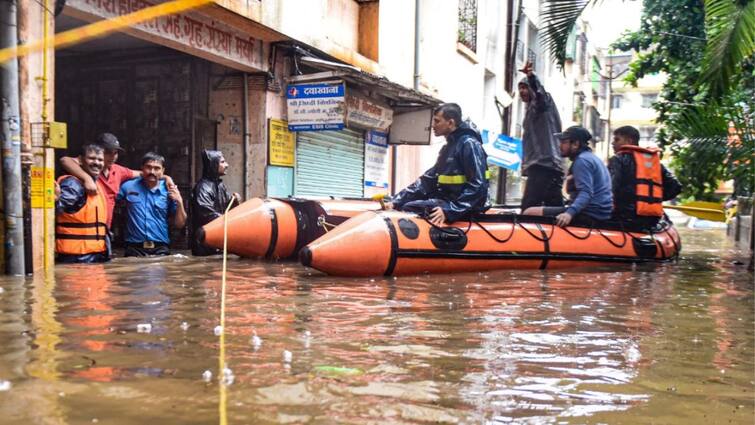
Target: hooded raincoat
{"x":209,"y":199}
{"x":541,"y":122}
{"x":457,"y":182}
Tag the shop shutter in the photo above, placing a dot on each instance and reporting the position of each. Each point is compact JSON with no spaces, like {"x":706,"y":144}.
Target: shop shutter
{"x":330,"y":163}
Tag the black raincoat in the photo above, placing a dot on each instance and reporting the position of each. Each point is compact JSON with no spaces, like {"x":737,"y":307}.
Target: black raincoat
{"x":457,"y":182}
{"x":209,"y":199}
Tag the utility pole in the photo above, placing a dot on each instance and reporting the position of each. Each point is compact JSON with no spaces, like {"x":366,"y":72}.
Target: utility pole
{"x":10,"y":136}
{"x":512,"y":35}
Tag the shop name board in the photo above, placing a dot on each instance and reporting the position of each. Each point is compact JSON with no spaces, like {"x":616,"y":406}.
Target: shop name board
{"x":375,"y":163}
{"x":282,"y":145}
{"x":315,"y":106}
{"x":186,"y":31}
{"x":365,"y":113}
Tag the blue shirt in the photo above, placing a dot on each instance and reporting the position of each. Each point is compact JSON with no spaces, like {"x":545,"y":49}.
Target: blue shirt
{"x":590,"y":190}
{"x":148,"y":211}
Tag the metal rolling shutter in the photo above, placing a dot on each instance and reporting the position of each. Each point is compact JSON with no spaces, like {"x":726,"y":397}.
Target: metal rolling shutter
{"x":330,"y":163}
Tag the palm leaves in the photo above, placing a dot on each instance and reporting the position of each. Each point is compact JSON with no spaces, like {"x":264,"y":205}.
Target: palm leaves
{"x":557,"y":20}
{"x":730,"y":30}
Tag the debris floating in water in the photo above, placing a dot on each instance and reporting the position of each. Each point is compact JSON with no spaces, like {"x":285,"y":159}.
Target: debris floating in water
{"x":218,"y":330}
{"x":184,"y":326}
{"x":256,"y":341}
{"x":228,"y":377}
{"x":207,"y":376}
{"x":287,"y":356}
{"x":5,"y":385}
{"x":144,"y":328}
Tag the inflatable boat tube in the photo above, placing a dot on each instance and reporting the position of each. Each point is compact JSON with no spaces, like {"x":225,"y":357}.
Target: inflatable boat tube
{"x":397,"y":243}
{"x":279,"y":228}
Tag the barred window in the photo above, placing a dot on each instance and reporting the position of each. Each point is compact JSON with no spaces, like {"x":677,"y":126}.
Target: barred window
{"x":468,"y":23}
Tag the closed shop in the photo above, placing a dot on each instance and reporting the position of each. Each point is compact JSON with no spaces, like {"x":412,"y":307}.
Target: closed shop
{"x":330,"y":163}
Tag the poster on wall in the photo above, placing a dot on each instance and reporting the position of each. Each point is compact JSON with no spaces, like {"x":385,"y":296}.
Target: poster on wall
{"x":375,"y":163}
{"x":282,"y":146}
{"x":503,"y":151}
{"x":316,"y":106}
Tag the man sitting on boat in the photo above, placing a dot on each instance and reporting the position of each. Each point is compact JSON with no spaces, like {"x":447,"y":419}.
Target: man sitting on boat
{"x":456,"y":186}
{"x":640,"y":182}
{"x":588,"y":182}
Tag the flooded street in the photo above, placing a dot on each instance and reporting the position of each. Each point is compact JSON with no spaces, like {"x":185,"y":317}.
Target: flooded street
{"x":128,"y":343}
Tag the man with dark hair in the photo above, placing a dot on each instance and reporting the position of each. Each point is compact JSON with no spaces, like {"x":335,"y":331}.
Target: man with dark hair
{"x":149,"y":203}
{"x":209,"y":198}
{"x":542,"y":163}
{"x":588,"y":182}
{"x":112,"y":175}
{"x":640,"y":182}
{"x":81,"y":233}
{"x":456,"y":186}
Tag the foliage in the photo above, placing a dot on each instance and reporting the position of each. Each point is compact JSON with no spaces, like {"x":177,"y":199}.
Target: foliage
{"x":695,"y":112}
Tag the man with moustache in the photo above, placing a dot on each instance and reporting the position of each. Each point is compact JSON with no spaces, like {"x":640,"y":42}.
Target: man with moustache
{"x":150,"y":203}
{"x":81,"y":233}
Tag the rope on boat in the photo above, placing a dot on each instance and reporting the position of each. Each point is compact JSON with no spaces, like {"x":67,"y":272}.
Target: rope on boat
{"x":324,"y":224}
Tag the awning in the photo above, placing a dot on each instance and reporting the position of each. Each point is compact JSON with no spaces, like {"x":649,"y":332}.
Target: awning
{"x":399,"y":97}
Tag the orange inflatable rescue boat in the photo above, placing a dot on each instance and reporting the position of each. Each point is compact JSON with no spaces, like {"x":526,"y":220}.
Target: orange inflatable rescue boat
{"x":279,"y":228}
{"x":397,"y":243}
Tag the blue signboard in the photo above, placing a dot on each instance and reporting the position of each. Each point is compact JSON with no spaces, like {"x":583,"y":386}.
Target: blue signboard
{"x":375,"y":162}
{"x":503,"y":151}
{"x":316,"y":106}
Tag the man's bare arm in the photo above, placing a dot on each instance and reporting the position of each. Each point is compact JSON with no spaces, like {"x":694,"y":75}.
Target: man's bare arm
{"x":71,"y":166}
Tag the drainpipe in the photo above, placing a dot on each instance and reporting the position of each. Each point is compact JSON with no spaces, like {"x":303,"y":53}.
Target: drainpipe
{"x":415,"y":85}
{"x":10,"y":136}
{"x":245,"y":156}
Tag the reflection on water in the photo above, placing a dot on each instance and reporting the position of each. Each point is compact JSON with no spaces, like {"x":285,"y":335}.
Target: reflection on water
{"x":669,"y":344}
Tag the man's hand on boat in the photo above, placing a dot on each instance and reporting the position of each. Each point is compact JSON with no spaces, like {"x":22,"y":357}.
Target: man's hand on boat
{"x":563,"y":219}
{"x":437,"y":217}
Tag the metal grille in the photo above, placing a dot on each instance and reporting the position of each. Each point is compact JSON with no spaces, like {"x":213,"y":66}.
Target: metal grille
{"x":468,"y":23}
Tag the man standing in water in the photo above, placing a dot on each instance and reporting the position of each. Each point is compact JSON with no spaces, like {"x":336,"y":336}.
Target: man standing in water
{"x":209,"y":198}
{"x":149,"y":204}
{"x":456,"y":186}
{"x":81,"y":234}
{"x":542,"y":163}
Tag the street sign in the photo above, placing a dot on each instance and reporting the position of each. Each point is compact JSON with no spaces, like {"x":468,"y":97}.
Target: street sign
{"x":316,"y":106}
{"x":503,"y":151}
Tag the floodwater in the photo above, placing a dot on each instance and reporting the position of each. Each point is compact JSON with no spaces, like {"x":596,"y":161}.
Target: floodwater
{"x":128,"y":343}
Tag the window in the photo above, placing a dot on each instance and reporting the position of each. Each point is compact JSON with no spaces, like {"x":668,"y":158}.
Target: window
{"x":648,"y":99}
{"x":647,"y":135}
{"x":468,"y":24}
{"x":616,"y":101}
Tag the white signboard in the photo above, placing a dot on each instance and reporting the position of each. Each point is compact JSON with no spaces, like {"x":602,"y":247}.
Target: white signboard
{"x":375,"y":163}
{"x":502,"y":150}
{"x":188,"y":31}
{"x":315,"y":106}
{"x":365,"y":113}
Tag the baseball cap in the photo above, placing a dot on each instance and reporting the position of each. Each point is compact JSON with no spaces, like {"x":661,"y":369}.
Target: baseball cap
{"x":109,"y":142}
{"x":575,"y":132}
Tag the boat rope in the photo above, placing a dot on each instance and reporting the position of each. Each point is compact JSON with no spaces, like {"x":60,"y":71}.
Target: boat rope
{"x":492,"y":236}
{"x":617,"y":245}
{"x":223,"y":395}
{"x":324,"y":224}
{"x":566,"y":229}
{"x":544,"y":238}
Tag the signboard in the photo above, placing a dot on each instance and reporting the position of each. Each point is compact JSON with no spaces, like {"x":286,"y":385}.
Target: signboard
{"x":187,"y":31}
{"x":375,"y":163}
{"x":316,"y":106}
{"x":366,"y":113}
{"x":42,"y":188}
{"x":502,"y":150}
{"x":282,"y":146}
{"x":280,"y":182}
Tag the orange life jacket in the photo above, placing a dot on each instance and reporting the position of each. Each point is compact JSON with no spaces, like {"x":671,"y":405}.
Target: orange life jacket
{"x":85,"y":231}
{"x":648,"y":180}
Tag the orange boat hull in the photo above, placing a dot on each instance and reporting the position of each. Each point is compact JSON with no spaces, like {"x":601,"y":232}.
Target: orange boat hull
{"x":278,"y":228}
{"x":396,"y":243}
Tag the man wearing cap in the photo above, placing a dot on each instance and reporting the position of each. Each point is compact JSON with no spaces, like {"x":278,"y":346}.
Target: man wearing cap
{"x":542,"y":163}
{"x":588,"y":182}
{"x":112,"y":175}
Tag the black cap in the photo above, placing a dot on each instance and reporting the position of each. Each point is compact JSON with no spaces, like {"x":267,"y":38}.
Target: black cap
{"x":109,"y":142}
{"x":575,"y":132}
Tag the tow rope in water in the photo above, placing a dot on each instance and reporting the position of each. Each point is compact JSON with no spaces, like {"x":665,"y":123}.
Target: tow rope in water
{"x":222,"y":384}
